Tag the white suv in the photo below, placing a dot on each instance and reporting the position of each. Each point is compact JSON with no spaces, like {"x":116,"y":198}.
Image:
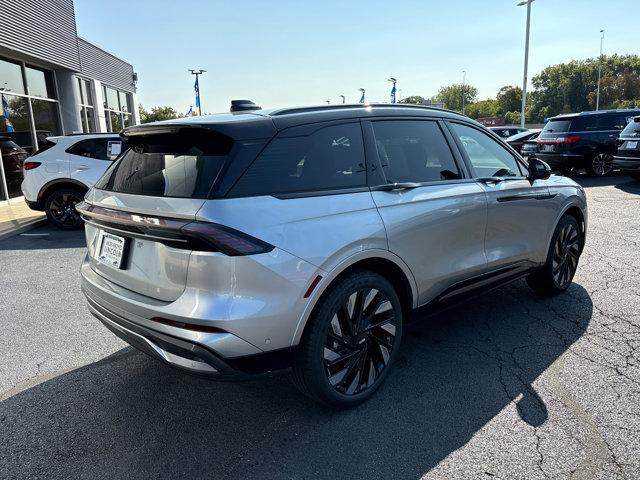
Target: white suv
{"x":59,"y":175}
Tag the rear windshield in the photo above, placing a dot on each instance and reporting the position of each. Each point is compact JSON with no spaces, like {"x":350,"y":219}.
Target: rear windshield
{"x":183,"y":165}
{"x":557,"y":126}
{"x":632,"y":129}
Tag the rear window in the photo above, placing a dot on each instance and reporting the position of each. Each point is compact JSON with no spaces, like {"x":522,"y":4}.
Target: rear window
{"x":331,"y":158}
{"x":183,"y":165}
{"x":632,"y":129}
{"x":557,"y":126}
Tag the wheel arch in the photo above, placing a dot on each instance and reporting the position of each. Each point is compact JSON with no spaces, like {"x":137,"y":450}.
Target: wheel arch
{"x":57,"y":184}
{"x":575,"y":208}
{"x":382,"y":262}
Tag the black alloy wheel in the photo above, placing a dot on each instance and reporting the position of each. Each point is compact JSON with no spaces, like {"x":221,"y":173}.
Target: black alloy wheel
{"x":350,"y":341}
{"x":566,"y":253}
{"x":60,"y":208}
{"x":360,"y":341}
{"x":601,"y":164}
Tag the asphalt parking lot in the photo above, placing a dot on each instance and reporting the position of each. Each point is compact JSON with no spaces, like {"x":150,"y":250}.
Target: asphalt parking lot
{"x":510,"y":386}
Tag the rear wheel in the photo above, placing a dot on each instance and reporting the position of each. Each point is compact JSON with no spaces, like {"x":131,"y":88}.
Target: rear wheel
{"x":60,"y":207}
{"x":601,"y":164}
{"x":562,"y":260}
{"x":351,"y":341}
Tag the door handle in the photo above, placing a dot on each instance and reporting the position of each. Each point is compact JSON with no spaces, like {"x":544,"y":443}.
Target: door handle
{"x":395,"y":186}
{"x":487,"y":180}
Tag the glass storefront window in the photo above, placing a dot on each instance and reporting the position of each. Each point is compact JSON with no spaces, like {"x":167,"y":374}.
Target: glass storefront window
{"x":88,"y":122}
{"x":111,"y":98}
{"x":124,"y":101}
{"x":45,"y":117}
{"x":117,"y":109}
{"x":39,"y":83}
{"x":116,"y":124}
{"x":16,"y":124}
{"x":11,"y":77}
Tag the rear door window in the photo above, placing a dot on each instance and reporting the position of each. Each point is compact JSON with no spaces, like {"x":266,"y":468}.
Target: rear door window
{"x":331,"y":158}
{"x":94,"y":148}
{"x":182,"y":165}
{"x":414,"y":151}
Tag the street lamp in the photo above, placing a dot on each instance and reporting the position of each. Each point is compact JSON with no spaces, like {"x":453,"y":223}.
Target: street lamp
{"x":362,"y":97}
{"x":196,"y":87}
{"x":328,"y":102}
{"x":343,"y":98}
{"x":464,"y":78}
{"x":599,"y":71}
{"x":526,"y":59}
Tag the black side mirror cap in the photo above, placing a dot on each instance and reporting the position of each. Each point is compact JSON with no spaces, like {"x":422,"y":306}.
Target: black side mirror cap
{"x":538,"y":170}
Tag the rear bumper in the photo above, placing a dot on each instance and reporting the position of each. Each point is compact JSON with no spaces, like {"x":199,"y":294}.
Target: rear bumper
{"x":627,"y":164}
{"x":560,"y":161}
{"x":216,"y":355}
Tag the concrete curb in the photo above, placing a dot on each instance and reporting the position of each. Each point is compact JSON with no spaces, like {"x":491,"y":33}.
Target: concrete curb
{"x":25,"y":227}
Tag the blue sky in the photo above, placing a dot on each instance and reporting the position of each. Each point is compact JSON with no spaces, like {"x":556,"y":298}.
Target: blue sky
{"x":282,"y":53}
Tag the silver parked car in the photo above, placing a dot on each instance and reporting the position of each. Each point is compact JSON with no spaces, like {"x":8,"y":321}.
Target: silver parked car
{"x":303,"y":239}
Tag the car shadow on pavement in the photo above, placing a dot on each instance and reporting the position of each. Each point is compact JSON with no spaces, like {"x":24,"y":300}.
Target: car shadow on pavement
{"x":610,"y":181}
{"x":129,"y":417}
{"x":44,"y":237}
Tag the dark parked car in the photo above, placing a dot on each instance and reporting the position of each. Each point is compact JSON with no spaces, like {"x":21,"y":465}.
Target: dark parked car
{"x":627,"y":156}
{"x":506,"y":132}
{"x":518,"y":140}
{"x":583,"y":140}
{"x":12,"y":158}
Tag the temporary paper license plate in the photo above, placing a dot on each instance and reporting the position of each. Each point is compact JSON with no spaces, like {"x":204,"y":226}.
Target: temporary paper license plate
{"x":111,"y":250}
{"x":548,"y":148}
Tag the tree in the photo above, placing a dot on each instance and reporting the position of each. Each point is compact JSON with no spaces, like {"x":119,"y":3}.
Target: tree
{"x":415,"y":99}
{"x":481,"y":109}
{"x":571,"y":87}
{"x":451,"y":95}
{"x":157,"y":114}
{"x":509,"y":99}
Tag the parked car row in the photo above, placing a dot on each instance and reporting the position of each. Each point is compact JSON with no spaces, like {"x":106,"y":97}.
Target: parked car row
{"x":595,"y":141}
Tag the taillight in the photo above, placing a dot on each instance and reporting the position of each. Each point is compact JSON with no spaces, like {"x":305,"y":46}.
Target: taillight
{"x":559,"y":140}
{"x":31,"y":165}
{"x":226,"y":240}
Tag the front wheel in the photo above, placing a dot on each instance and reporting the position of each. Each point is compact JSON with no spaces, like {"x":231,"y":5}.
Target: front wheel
{"x":60,"y":207}
{"x":601,"y":164}
{"x":351,"y":341}
{"x":557,"y":273}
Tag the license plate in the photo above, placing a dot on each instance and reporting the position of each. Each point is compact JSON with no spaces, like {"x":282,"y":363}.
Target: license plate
{"x":548,"y":148}
{"x":631,"y":145}
{"x":111,"y":250}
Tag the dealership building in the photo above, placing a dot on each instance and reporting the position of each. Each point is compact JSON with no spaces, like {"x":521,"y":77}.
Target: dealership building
{"x":53,"y":82}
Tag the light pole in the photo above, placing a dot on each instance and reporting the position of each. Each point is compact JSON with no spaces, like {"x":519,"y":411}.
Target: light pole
{"x":196,"y":87}
{"x":393,"y":89}
{"x":362,"y":97}
{"x":328,"y":102}
{"x":343,"y":98}
{"x":464,"y":78}
{"x":526,"y":60}
{"x":599,"y":71}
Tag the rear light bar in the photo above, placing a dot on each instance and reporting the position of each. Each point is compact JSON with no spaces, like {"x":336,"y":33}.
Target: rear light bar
{"x":194,"y":235}
{"x":560,"y":140}
{"x":31,"y":165}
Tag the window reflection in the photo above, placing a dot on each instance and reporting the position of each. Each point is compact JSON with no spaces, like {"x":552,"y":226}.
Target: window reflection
{"x":39,"y":83}
{"x":15,"y":121}
{"x":45,"y":117}
{"x":11,"y":77}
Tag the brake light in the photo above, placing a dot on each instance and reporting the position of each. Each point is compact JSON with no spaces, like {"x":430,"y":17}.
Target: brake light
{"x":559,"y":140}
{"x":226,"y":240}
{"x":31,"y":165}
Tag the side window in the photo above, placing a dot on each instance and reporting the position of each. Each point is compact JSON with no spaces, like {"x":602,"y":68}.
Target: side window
{"x":329,"y":159}
{"x":414,"y":151}
{"x":488,"y":157}
{"x":97,"y":148}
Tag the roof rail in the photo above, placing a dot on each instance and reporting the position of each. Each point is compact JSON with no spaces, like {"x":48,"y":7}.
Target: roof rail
{"x":289,"y":111}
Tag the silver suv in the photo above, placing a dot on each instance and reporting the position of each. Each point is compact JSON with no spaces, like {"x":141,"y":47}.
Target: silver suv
{"x":303,"y":239}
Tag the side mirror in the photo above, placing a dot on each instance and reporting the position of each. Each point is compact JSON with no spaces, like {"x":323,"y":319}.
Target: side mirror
{"x":538,"y":170}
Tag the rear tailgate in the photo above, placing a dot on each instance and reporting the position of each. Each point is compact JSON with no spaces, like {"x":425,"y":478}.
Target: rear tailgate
{"x":135,"y":212}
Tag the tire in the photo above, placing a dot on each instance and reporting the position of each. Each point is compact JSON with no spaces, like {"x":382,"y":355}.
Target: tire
{"x":60,"y":208}
{"x":337,"y":353}
{"x":601,"y":164}
{"x":556,"y":274}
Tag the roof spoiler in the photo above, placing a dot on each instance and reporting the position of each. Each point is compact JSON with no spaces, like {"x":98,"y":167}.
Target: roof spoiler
{"x":243,"y":106}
